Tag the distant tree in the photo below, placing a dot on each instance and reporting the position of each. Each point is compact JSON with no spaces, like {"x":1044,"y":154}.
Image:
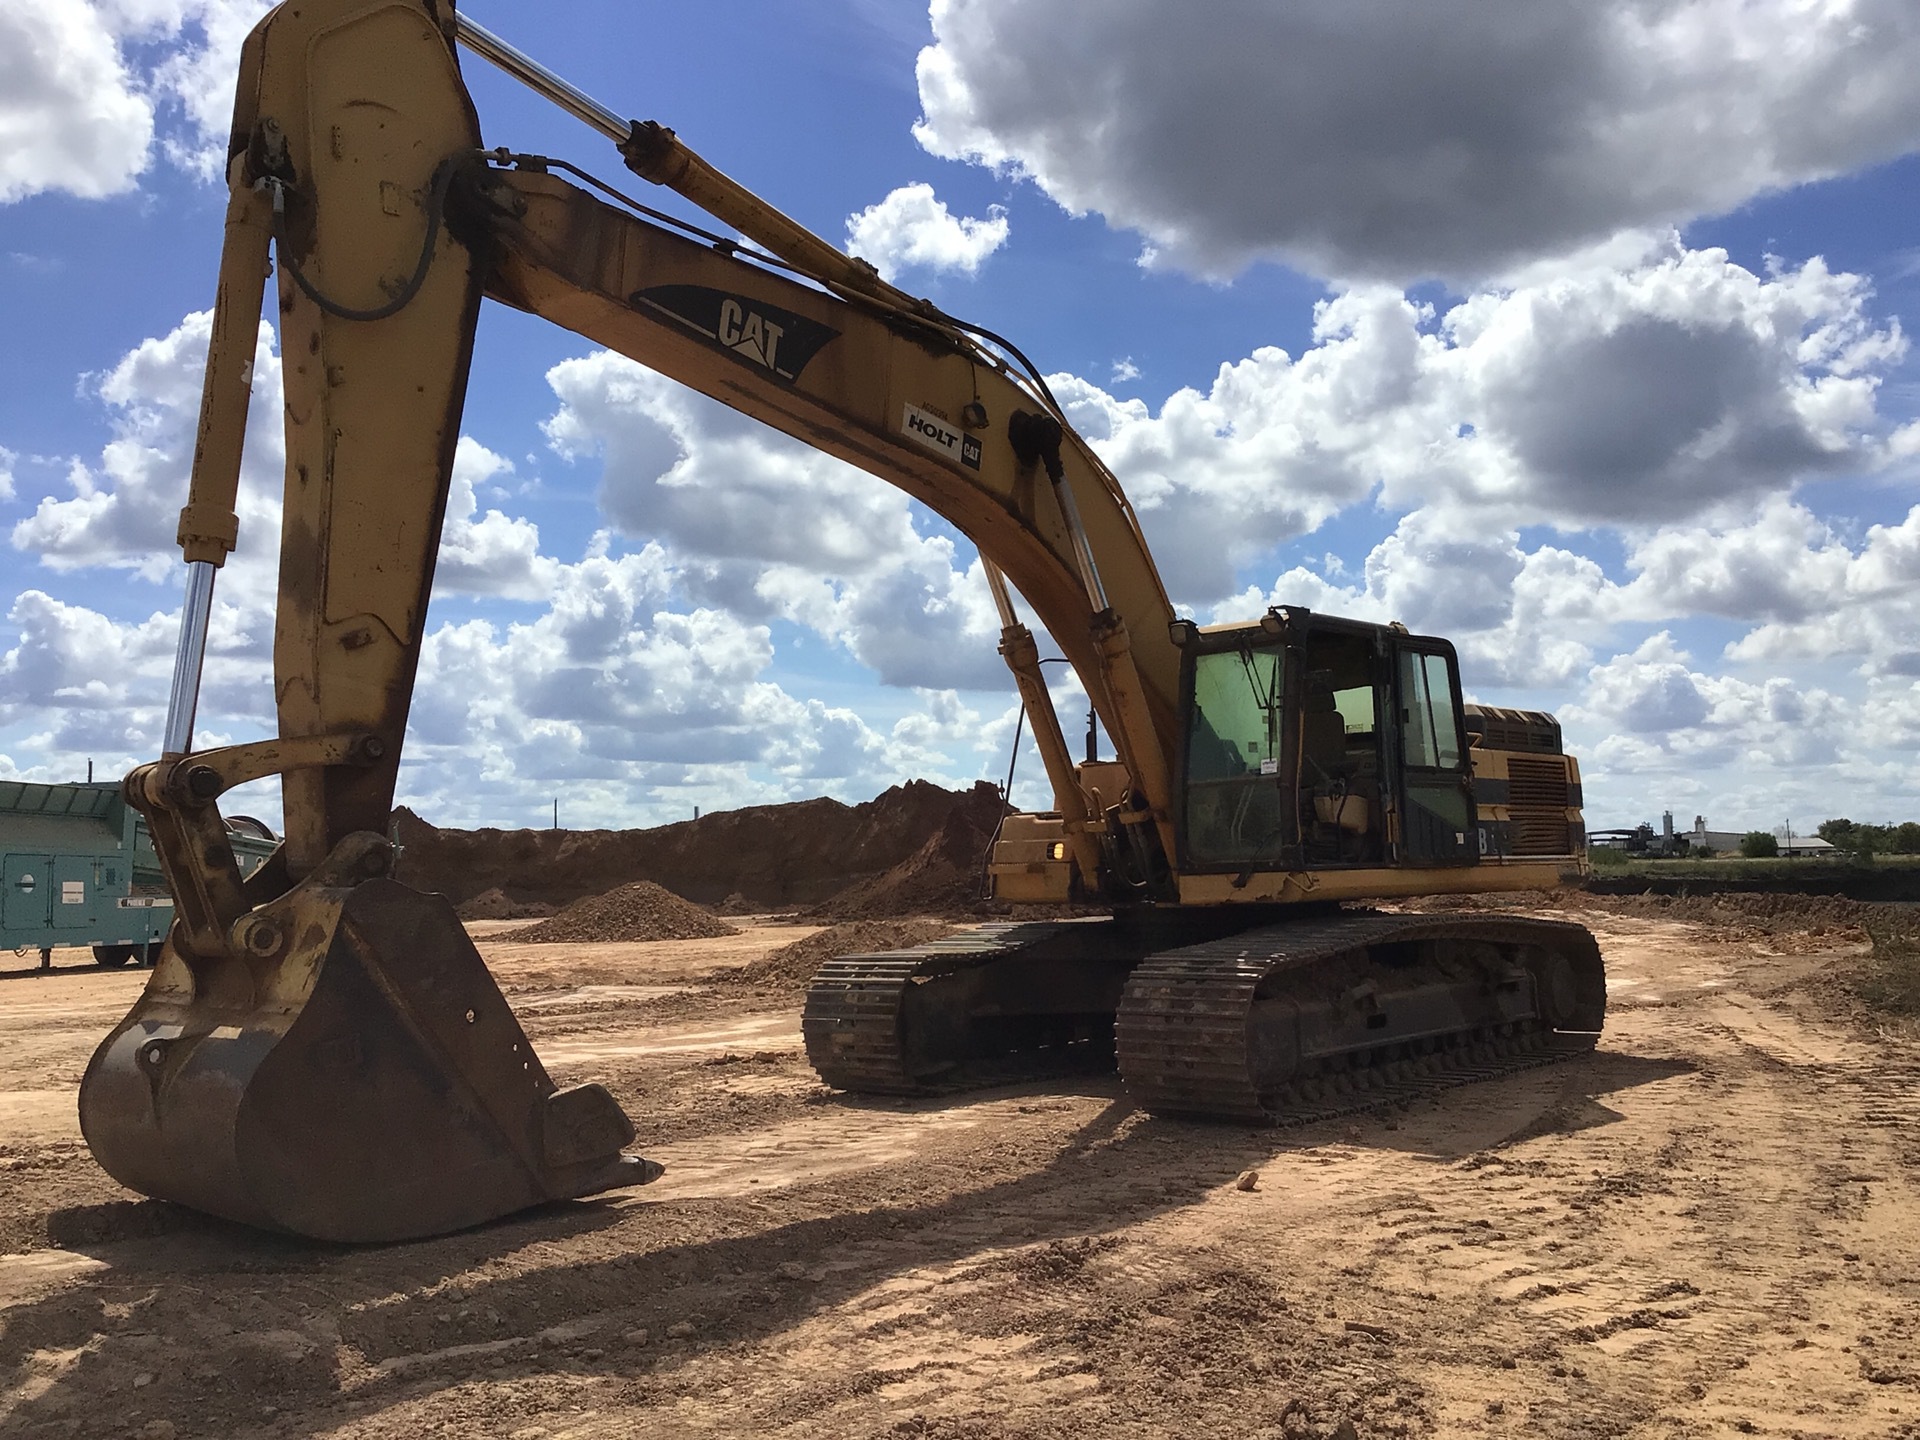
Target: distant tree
{"x":1759,"y":845}
{"x":1838,"y":833}
{"x":1906,"y":838}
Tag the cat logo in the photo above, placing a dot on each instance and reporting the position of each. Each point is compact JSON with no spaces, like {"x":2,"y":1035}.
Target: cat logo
{"x":765,"y":336}
{"x":749,"y":333}
{"x":937,"y":434}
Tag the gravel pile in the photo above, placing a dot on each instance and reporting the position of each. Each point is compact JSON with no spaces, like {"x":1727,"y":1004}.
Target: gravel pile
{"x":639,"y":911}
{"x":797,"y":963}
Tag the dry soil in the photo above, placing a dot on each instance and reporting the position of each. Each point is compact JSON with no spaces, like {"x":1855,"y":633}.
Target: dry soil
{"x":1706,"y":1228}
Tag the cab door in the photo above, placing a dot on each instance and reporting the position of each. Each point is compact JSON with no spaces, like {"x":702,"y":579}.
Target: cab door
{"x":1437,"y":814}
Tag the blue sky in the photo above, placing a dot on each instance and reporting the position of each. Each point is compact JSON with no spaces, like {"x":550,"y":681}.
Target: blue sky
{"x":1576,"y":333}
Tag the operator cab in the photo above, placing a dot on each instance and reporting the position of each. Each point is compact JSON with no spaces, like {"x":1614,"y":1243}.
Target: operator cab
{"x":1314,"y":742}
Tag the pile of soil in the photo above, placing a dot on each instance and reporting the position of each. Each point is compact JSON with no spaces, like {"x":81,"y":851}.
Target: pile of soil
{"x":640,"y":911}
{"x":1738,"y":916}
{"x":763,"y":858}
{"x":946,"y":875}
{"x":797,"y":963}
{"x":496,"y":904}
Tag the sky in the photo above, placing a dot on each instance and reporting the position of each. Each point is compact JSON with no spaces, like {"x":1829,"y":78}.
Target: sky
{"x":1577,"y":332}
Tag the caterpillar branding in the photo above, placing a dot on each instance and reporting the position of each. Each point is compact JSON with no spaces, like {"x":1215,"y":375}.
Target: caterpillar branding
{"x":939,"y":434}
{"x":761,"y":334}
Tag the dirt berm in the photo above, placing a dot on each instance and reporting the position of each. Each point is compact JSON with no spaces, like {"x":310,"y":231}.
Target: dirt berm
{"x":917,"y":847}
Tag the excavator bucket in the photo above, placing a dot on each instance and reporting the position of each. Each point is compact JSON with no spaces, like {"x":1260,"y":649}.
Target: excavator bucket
{"x":352,"y":1074}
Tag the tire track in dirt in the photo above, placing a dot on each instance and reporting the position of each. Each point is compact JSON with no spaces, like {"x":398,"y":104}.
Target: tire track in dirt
{"x":1706,"y":1225}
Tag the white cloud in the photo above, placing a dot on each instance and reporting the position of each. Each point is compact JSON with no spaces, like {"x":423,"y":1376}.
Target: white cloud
{"x":913,"y":229}
{"x":1742,"y":752}
{"x":1457,"y":138}
{"x":87,"y":86}
{"x":1833,"y":601}
{"x":495,"y":553}
{"x":763,"y":526}
{"x":72,"y":116}
{"x":1683,"y":388}
{"x":616,"y":691}
{"x":7,"y":459}
{"x":124,"y":507}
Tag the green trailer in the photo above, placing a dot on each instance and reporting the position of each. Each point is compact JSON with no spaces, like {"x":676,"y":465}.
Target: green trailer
{"x":77,"y":868}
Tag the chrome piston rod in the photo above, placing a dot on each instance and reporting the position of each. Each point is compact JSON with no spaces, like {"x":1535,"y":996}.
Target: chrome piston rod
{"x":530,"y":72}
{"x":189,"y":659}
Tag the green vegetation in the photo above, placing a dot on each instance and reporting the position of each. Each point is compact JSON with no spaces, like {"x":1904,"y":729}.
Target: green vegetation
{"x":1869,"y":840}
{"x":1729,"y":866}
{"x":1759,"y":845}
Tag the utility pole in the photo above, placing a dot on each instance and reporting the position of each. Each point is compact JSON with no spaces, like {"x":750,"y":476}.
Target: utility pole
{"x":556,"y":812}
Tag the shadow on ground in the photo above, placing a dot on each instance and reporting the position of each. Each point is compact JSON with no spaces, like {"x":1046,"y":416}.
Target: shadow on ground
{"x":218,"y":1316}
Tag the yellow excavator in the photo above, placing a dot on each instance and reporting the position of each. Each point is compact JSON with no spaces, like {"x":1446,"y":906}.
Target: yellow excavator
{"x":321,"y":1050}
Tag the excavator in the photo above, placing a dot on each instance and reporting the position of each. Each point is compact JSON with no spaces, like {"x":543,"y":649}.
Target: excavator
{"x":321,"y":1050}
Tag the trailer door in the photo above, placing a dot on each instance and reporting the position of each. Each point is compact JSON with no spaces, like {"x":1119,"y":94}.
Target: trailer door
{"x":26,"y":883}
{"x":76,"y":897}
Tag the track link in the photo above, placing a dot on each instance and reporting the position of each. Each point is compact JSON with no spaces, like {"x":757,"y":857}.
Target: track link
{"x":1189,"y":1035}
{"x":908,"y":1022}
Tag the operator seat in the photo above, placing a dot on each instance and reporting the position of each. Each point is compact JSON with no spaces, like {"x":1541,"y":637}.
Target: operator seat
{"x":1342,"y":798}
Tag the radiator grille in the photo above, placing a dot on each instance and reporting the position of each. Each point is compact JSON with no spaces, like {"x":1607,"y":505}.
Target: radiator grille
{"x":1537,"y":804}
{"x":1501,"y":729}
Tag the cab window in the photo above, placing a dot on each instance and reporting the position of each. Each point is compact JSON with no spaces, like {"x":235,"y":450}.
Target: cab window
{"x":1234,"y":812}
{"x":1430,"y":739}
{"x":1236,"y":714}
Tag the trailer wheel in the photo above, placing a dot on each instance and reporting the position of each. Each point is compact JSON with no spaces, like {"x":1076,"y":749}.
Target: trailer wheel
{"x":151,"y":955}
{"x":111,"y":956}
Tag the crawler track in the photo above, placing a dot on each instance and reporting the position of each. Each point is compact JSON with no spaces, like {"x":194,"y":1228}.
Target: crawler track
{"x":1196,"y":1039}
{"x":1269,"y":1025}
{"x":947,"y":1015}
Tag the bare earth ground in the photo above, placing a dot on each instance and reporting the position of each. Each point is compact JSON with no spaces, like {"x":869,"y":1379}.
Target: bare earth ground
{"x":1707,"y":1228}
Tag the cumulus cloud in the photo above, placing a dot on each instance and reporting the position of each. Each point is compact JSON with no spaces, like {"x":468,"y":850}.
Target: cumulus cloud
{"x":766,"y":527}
{"x":494,"y":553}
{"x":1681,"y":388}
{"x":913,"y":229}
{"x":71,"y":113}
{"x":87,"y":86}
{"x":1828,"y":599}
{"x":620,"y":689}
{"x":123,"y":507}
{"x":626,"y":705}
{"x":1452,"y":139}
{"x":1648,"y":721}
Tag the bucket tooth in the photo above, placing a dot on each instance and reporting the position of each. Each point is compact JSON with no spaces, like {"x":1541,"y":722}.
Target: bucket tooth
{"x":351,"y":1072}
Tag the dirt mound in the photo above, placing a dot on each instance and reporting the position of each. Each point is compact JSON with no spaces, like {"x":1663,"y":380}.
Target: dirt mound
{"x":640,"y":911}
{"x":946,"y":875}
{"x":496,"y":904}
{"x":797,"y":963}
{"x":771,"y":857}
{"x":1739,"y":915}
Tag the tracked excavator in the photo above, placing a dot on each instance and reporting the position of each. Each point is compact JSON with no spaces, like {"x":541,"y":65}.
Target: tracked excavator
{"x":321,"y":1050}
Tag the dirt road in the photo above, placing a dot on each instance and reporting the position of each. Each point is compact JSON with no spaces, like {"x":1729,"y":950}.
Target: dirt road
{"x":1707,"y":1228}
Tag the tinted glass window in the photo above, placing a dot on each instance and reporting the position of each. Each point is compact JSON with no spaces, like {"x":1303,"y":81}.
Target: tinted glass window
{"x":1430,"y":739}
{"x":1234,"y":812}
{"x":1236,"y":714}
